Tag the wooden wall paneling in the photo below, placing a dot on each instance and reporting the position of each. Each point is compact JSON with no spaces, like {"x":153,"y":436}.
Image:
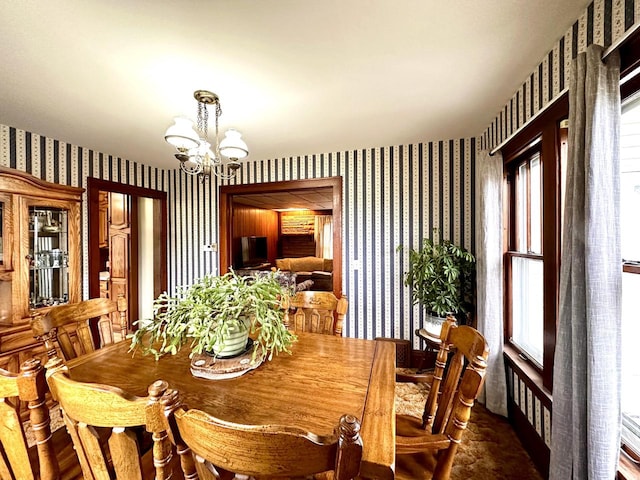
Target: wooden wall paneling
{"x":250,"y":221}
{"x":293,"y":246}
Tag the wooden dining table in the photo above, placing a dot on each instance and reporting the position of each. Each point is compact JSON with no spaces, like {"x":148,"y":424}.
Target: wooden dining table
{"x":323,"y":378}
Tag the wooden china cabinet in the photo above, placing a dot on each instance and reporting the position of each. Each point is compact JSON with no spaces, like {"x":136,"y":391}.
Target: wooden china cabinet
{"x":40,"y":256}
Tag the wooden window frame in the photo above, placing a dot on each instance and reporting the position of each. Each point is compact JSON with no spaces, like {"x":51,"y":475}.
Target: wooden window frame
{"x":545,"y":135}
{"x":629,"y":464}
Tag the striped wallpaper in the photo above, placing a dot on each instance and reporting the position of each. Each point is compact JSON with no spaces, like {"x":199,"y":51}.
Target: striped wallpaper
{"x":60,"y":162}
{"x":537,"y":414}
{"x":604,"y":22}
{"x":392,"y":196}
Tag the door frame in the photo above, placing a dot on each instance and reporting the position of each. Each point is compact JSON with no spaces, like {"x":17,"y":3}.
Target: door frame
{"x":227,"y":192}
{"x":94,"y":186}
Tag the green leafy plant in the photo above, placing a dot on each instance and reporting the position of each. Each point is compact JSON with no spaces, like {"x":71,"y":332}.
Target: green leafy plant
{"x":441,"y":277}
{"x":204,"y":313}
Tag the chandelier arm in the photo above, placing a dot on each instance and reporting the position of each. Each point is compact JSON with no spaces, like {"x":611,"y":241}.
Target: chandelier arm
{"x":219,"y":171}
{"x":189,"y":170}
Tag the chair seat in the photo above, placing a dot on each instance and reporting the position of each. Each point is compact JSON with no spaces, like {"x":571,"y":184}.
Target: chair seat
{"x":416,"y":466}
{"x":413,"y":375}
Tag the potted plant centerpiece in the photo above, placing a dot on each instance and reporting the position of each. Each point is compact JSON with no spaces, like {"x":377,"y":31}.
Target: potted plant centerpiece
{"x":216,"y":315}
{"x":441,"y":279}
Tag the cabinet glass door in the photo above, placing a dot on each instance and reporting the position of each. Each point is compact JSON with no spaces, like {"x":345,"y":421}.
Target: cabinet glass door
{"x":48,"y":256}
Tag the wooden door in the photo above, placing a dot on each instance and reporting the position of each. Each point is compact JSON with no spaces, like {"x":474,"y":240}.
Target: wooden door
{"x":119,"y":245}
{"x":97,"y":258}
{"x":103,"y":219}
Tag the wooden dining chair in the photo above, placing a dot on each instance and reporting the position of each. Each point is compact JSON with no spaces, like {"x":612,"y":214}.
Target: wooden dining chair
{"x":51,"y":456}
{"x":426,"y":447}
{"x":317,"y":312}
{"x":69,"y":326}
{"x":109,"y":428}
{"x":223,"y":449}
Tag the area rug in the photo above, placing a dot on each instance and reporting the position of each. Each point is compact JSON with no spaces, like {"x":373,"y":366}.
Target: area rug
{"x":490,"y":449}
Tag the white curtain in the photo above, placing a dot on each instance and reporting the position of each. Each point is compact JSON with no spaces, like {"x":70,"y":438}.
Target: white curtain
{"x":586,"y":386}
{"x":489,"y":276}
{"x":323,"y":235}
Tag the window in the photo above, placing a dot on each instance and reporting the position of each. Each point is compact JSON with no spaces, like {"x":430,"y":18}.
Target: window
{"x":630,"y":231}
{"x":525,"y":256}
{"x":534,"y":173}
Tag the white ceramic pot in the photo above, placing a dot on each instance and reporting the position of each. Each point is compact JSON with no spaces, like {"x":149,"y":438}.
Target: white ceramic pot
{"x":433,"y":324}
{"x":234,"y":344}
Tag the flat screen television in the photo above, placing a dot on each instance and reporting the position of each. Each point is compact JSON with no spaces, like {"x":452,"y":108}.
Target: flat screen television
{"x":254,"y":251}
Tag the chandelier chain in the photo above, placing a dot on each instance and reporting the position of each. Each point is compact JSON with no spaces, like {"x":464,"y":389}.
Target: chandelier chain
{"x":203,"y":120}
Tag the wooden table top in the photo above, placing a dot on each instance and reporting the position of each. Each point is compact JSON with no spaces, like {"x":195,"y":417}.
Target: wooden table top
{"x":325,"y":377}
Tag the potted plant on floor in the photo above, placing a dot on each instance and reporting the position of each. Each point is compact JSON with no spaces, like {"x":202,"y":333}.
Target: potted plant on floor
{"x":441,"y":278}
{"x":216,"y":315}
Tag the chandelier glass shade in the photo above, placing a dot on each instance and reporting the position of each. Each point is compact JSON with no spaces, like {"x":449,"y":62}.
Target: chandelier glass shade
{"x":196,"y":154}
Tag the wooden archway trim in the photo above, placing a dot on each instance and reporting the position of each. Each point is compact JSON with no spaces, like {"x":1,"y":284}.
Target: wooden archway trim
{"x":94,"y":186}
{"x":227,"y":192}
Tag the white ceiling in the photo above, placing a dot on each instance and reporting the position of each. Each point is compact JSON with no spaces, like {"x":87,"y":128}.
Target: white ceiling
{"x":294,"y":76}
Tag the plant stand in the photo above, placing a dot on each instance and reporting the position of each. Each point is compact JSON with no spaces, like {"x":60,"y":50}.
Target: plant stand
{"x":206,"y":366}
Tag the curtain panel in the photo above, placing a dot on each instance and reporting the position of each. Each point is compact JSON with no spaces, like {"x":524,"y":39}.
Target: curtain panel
{"x":323,"y":233}
{"x":586,"y":388}
{"x":489,"y":178}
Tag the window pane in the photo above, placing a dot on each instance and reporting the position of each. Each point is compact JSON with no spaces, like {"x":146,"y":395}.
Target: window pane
{"x":630,"y":184}
{"x":630,"y":364}
{"x":630,"y":206}
{"x":630,"y":240}
{"x":521,"y":212}
{"x":527,"y":304}
{"x":536,"y":205}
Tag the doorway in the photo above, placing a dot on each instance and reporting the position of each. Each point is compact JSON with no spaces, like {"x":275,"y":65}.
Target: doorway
{"x":229,"y":193}
{"x":127,"y":244}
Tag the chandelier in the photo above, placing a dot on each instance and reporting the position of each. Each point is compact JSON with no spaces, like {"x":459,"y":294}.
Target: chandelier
{"x":199,"y":156}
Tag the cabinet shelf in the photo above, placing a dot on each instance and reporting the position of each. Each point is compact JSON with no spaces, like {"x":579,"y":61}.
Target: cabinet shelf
{"x":57,"y":267}
{"x":47,"y":234}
